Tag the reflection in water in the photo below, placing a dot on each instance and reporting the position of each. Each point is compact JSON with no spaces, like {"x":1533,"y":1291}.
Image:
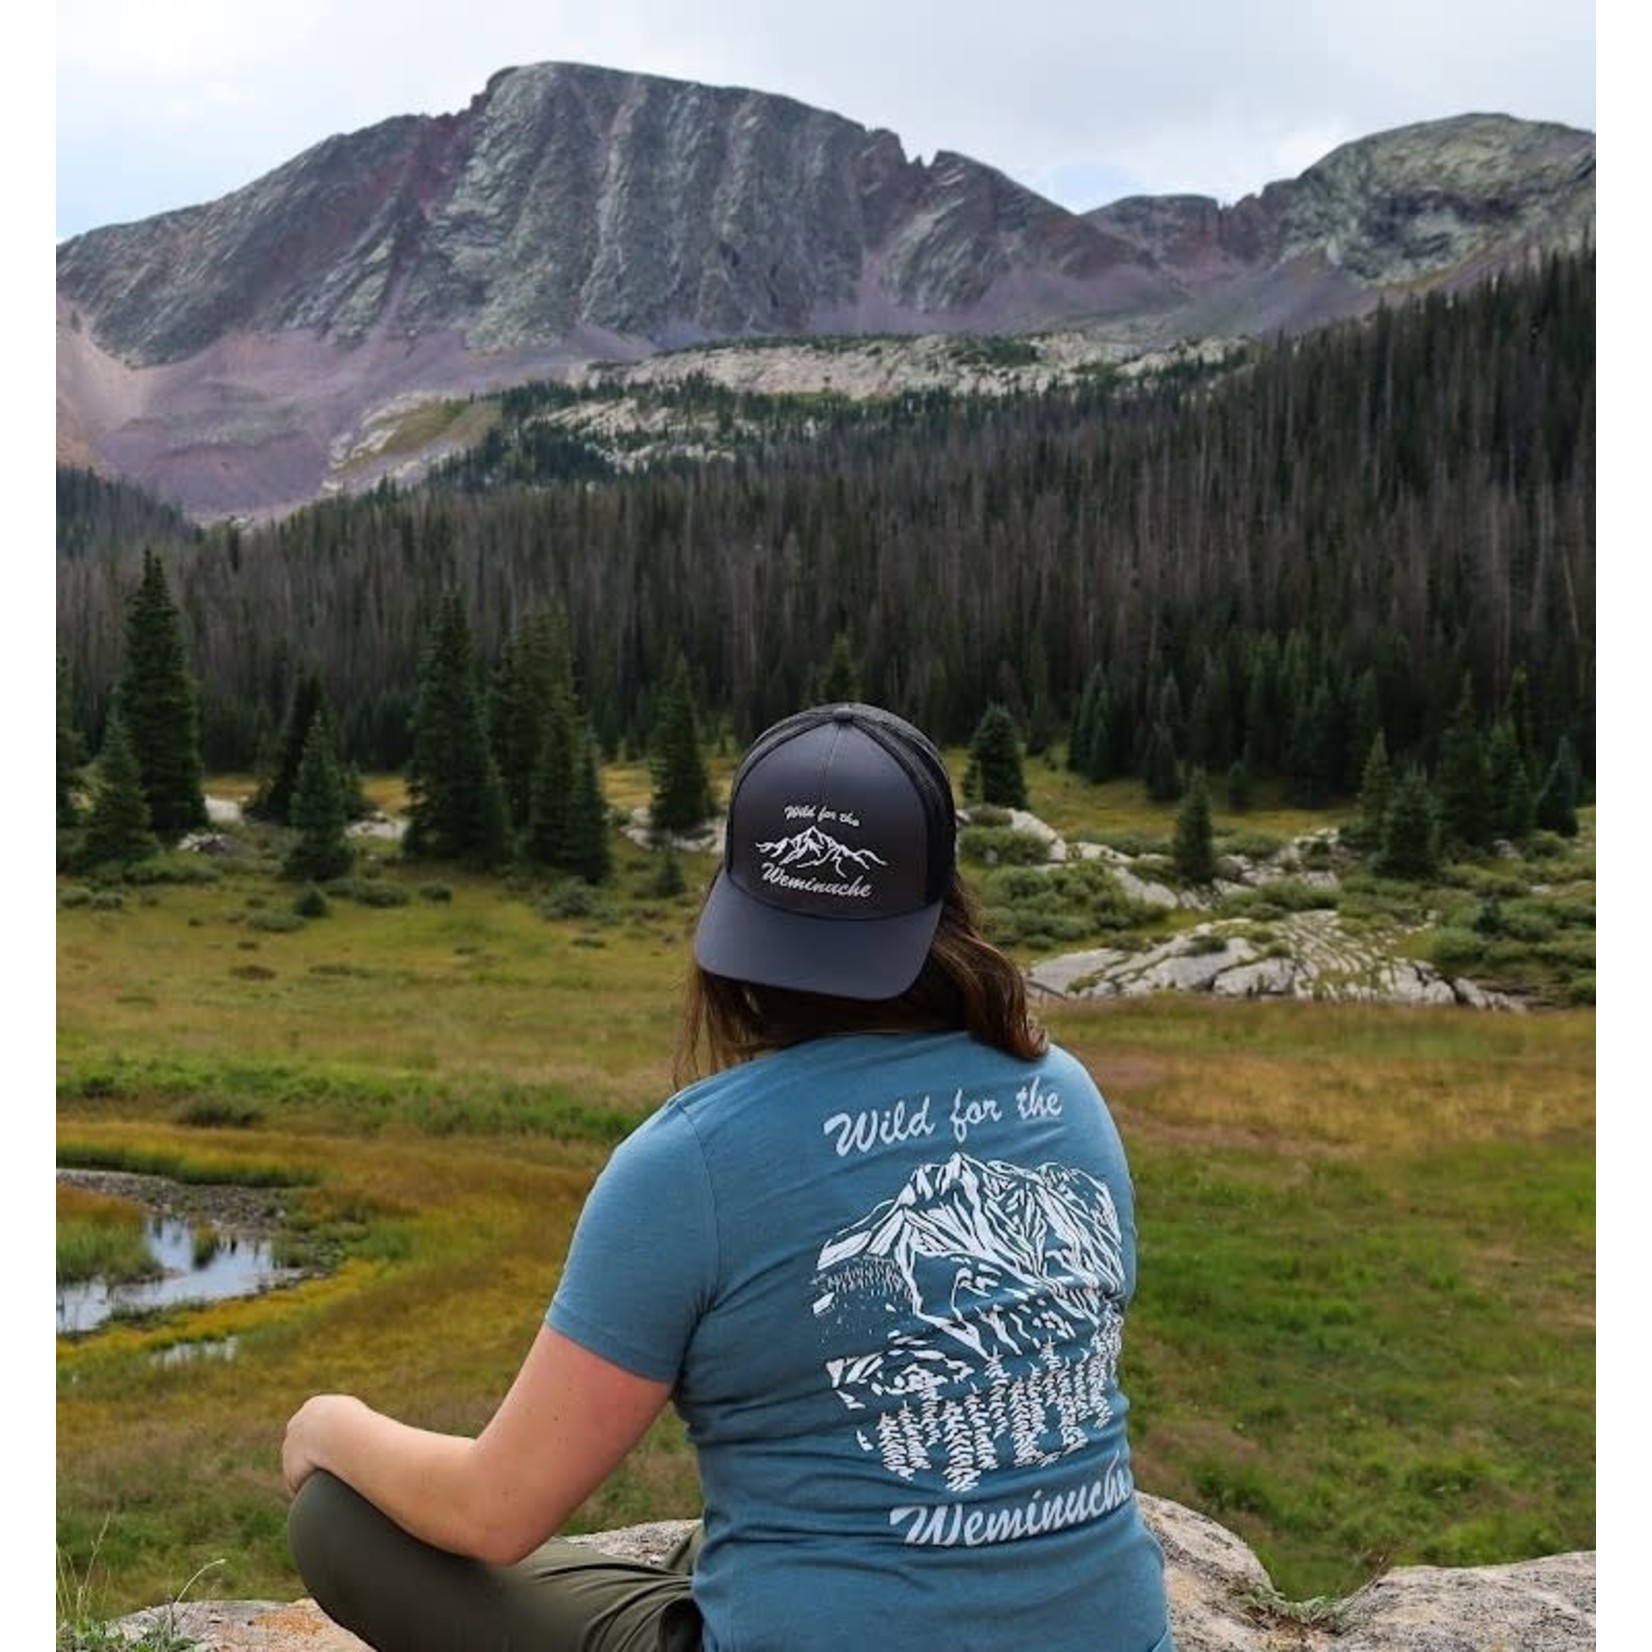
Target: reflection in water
{"x":239,"y":1267}
{"x":186,"y":1353}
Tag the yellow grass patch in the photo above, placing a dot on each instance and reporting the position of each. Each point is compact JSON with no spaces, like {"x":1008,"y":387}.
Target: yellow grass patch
{"x":102,"y":1210}
{"x":1365,"y":1079}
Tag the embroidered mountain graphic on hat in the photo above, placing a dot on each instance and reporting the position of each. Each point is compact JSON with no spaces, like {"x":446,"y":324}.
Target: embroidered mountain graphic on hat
{"x":812,"y":847}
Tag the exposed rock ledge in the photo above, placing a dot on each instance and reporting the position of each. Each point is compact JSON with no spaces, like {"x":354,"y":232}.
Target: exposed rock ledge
{"x":1293,"y":954}
{"x":1220,"y":1601}
{"x":1305,"y":954}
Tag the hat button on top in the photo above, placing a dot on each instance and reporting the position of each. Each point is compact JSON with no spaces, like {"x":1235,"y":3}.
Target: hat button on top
{"x":843,"y":715}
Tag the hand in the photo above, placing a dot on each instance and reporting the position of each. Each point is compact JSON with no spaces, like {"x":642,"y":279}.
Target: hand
{"x":309,"y":1430}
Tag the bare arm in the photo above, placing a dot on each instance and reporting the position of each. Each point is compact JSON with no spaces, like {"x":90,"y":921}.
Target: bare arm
{"x":569,"y":1418}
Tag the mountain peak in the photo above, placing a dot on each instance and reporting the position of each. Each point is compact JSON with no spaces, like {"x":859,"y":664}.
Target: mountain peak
{"x":571,"y":213}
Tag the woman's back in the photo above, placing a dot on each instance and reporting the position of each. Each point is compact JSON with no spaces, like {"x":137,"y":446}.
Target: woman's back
{"x":887,"y":1274}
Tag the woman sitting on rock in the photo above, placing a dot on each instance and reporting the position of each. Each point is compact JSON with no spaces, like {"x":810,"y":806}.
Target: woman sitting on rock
{"x":878,"y":1260}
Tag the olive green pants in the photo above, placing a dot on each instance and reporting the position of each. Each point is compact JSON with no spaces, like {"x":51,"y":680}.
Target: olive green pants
{"x":401,"y":1595}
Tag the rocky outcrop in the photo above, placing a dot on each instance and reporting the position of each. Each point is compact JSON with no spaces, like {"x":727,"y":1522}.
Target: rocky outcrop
{"x":1221,"y":1600}
{"x":1441,"y":201}
{"x":1309,"y":954}
{"x":1269,"y":951}
{"x":238,"y":357}
{"x":1304,"y":955}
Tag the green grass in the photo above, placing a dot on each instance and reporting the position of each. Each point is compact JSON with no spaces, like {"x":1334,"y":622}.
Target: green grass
{"x":99,"y":1237}
{"x":1364,"y":1334}
{"x":1381,"y":1396}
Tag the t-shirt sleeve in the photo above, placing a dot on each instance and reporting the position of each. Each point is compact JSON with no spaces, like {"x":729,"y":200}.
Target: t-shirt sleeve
{"x":643,"y":1262}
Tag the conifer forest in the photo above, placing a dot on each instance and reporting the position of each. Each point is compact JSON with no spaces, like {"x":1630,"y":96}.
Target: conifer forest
{"x":1386,"y":527}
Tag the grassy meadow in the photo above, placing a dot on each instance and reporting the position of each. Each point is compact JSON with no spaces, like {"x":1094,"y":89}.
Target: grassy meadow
{"x":1364,"y":1335}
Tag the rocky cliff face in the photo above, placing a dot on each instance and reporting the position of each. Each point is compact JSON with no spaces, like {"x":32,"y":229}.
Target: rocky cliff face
{"x":225,"y":354}
{"x":568,"y":198}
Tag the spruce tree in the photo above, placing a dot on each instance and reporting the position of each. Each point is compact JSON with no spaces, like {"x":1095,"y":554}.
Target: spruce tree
{"x":668,"y":880}
{"x":532,"y":684}
{"x":1214,"y":714}
{"x":1241,"y":784}
{"x":1517,"y":709}
{"x":1513,"y":807}
{"x":550,"y":806}
{"x":1198,"y":731}
{"x":456,"y":804}
{"x":71,"y":750}
{"x":995,"y":756}
{"x":318,"y":813}
{"x":1097,"y":762}
{"x":1296,"y":682}
{"x":1263,"y":733}
{"x":1090,"y":744}
{"x":1376,"y":788}
{"x":1081,"y":731}
{"x":589,"y":855}
{"x":1342,"y":762}
{"x":513,"y":729}
{"x":1410,"y":830}
{"x":1194,"y":850}
{"x":1043,"y":725}
{"x":117,"y":824}
{"x":1465,"y":799}
{"x":1365,"y":723}
{"x":273,"y":800}
{"x":1311,"y":755}
{"x":1519,"y":806}
{"x":1169,"y":713}
{"x":1160,"y":767}
{"x":157,"y":699}
{"x":841,"y":683}
{"x":681,"y":797}
{"x":493,"y":826}
{"x":1556,"y":807}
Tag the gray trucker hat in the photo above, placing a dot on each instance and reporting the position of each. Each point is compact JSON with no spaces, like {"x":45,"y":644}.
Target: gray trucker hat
{"x":841,"y":843}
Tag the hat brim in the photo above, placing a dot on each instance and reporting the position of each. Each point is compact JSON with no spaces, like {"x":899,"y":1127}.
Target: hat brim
{"x":871,"y":958}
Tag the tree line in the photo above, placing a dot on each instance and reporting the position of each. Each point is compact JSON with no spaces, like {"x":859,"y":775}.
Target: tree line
{"x":1356,"y":533}
{"x":509,"y":774}
{"x":504,"y":769}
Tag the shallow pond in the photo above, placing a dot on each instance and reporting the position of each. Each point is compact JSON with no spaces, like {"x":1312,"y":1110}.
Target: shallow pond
{"x":241,"y":1265}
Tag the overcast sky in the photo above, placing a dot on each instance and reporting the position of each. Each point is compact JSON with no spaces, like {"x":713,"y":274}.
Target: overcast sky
{"x":167,"y":103}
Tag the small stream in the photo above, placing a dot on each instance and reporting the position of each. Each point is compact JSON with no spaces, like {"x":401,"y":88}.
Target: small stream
{"x":241,"y":1265}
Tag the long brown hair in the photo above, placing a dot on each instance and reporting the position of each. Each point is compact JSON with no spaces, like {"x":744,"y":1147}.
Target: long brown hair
{"x":966,"y":984}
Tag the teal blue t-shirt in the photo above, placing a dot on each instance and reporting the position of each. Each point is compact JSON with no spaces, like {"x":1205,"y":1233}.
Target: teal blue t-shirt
{"x":886,"y":1276}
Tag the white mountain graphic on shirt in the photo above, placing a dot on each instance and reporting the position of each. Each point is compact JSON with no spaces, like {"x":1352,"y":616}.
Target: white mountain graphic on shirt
{"x":971,"y":1264}
{"x":812,"y":847}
